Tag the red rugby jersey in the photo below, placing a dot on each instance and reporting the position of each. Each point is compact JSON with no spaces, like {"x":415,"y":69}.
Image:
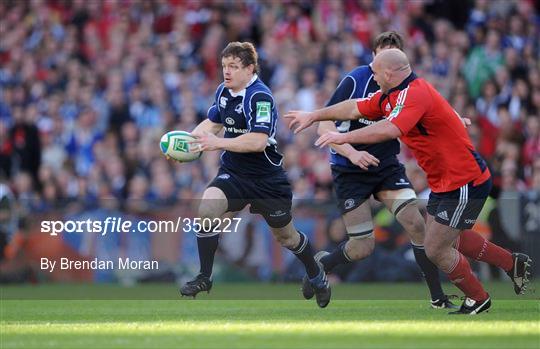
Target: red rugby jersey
{"x":433,"y":130}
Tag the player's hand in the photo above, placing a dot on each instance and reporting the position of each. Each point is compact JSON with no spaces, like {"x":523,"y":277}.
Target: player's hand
{"x":363,"y":159}
{"x":330,"y":138}
{"x":299,"y":120}
{"x":205,"y":141}
{"x":466,"y":122}
{"x":197,"y":134}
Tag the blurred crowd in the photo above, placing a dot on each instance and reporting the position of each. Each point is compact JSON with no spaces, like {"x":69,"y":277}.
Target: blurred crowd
{"x":88,"y":87}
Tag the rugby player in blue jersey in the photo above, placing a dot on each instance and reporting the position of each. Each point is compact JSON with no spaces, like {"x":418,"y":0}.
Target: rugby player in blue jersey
{"x":251,"y":169}
{"x":360,"y":171}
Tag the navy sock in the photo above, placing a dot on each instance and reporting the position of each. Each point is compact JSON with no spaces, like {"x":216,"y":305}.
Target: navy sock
{"x":207,"y":246}
{"x":335,"y":258}
{"x":304,"y":253}
{"x":430,"y":272}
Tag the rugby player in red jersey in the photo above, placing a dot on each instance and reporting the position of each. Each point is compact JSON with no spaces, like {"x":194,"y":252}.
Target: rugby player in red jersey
{"x":458,"y":177}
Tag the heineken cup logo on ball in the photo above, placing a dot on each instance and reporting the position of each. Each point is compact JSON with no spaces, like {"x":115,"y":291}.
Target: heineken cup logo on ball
{"x":176,"y":145}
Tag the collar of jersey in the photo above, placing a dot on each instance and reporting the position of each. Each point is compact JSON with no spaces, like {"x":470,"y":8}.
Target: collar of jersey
{"x":243,"y":92}
{"x":412,"y":76}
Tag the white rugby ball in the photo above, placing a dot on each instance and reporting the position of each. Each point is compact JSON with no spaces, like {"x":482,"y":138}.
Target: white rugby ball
{"x":175,"y":145}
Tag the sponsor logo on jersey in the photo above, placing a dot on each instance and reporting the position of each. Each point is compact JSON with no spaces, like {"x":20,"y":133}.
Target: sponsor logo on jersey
{"x":366,"y":121}
{"x":388,"y":107}
{"x":223,"y":102}
{"x":229,"y":121}
{"x":224,"y":176}
{"x":238,"y":108}
{"x":236,"y":130}
{"x":263,"y":112}
{"x":470,"y":221}
{"x":349,"y":203}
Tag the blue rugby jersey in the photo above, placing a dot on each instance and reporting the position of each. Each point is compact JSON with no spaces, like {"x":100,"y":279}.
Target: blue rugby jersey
{"x":359,"y":83}
{"x":250,"y":110}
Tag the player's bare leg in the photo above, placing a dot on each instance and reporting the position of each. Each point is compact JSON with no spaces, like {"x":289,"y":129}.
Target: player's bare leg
{"x":361,"y":243}
{"x":298,"y":244}
{"x":359,"y":226}
{"x":287,"y":236}
{"x":403,"y":205}
{"x":439,"y":245}
{"x":213,"y":204}
{"x":359,"y":248}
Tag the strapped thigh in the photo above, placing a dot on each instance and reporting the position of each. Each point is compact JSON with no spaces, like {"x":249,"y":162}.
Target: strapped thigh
{"x":402,"y":198}
{"x":358,"y":222}
{"x":360,"y":231}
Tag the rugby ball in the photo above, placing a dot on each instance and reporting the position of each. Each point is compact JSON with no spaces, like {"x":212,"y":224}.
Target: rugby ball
{"x":175,"y":145}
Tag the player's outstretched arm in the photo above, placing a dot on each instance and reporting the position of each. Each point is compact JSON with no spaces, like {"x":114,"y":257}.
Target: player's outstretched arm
{"x":342,"y":149}
{"x":207,"y":126}
{"x":253,"y":142}
{"x":379,"y":132}
{"x":300,"y":120}
{"x":361,"y":158}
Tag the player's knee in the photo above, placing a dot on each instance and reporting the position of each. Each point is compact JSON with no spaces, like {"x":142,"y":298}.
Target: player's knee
{"x":287,"y":241}
{"x":285,"y":238}
{"x":412,"y":221}
{"x":416,"y":228}
{"x":419,"y":227}
{"x":206,"y":210}
{"x":360,"y":248}
{"x":213,"y":204}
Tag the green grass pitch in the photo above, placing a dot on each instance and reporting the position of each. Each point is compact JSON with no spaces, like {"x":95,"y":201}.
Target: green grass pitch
{"x":258,"y":316}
